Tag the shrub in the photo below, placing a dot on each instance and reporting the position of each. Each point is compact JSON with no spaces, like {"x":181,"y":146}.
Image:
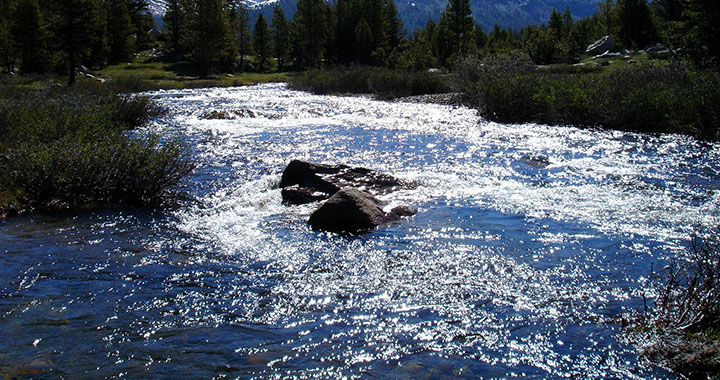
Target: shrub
{"x":644,"y":98}
{"x":67,"y":147}
{"x":685,"y":325}
{"x":382,"y":82}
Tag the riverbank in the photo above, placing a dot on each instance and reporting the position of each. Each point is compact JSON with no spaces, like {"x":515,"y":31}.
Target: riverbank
{"x":646,"y":96}
{"x":146,"y":74}
{"x":67,"y":148}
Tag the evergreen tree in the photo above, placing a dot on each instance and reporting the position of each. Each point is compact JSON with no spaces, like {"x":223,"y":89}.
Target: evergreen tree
{"x":556,"y":24}
{"x":142,"y":23}
{"x":7,"y":46}
{"x":209,"y":36}
{"x":29,"y":33}
{"x":395,"y":25}
{"x":262,"y":43}
{"x":456,"y":30}
{"x":173,"y":22}
{"x":73,"y":23}
{"x":120,"y":31}
{"x":311,"y":32}
{"x":605,"y":8}
{"x":363,"y":41}
{"x":242,"y":35}
{"x":280,"y":34}
{"x":636,"y":25}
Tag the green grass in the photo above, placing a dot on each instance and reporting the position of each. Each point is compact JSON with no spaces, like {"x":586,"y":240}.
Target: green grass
{"x":149,"y":74}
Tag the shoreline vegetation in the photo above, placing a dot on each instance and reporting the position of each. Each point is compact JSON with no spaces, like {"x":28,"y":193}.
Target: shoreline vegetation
{"x":637,"y":65}
{"x":68,"y":148}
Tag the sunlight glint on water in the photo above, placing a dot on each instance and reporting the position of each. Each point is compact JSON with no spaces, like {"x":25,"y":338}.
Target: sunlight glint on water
{"x":530,"y":241}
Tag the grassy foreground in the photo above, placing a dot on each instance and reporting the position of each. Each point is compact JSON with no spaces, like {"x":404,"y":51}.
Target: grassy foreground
{"x":66,"y":148}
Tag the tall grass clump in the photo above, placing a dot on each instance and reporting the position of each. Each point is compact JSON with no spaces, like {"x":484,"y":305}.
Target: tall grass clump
{"x":684,"y":328}
{"x":68,"y":148}
{"x":642,"y":97}
{"x":381,"y":82}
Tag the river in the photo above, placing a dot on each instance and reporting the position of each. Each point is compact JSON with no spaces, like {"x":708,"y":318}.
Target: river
{"x":529,"y":243}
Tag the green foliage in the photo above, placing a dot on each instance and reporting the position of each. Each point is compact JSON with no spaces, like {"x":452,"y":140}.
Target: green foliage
{"x":384,"y":83}
{"x":66,"y":148}
{"x":240,"y":26}
{"x":262,"y":44}
{"x":637,"y":28}
{"x":312,"y":27}
{"x":644,"y":98}
{"x":280,"y":34}
{"x":120,"y":31}
{"x":208,"y":37}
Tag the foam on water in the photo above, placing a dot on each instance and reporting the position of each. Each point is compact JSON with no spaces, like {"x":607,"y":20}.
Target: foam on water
{"x":530,"y":241}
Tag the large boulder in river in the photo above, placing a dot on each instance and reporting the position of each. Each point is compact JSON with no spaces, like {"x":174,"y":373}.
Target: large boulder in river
{"x":305,"y":182}
{"x":353,"y":210}
{"x":601,"y":46}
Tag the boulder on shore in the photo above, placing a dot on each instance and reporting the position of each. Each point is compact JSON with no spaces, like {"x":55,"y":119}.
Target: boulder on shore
{"x":352,"y":210}
{"x":304,"y":182}
{"x":600,"y":46}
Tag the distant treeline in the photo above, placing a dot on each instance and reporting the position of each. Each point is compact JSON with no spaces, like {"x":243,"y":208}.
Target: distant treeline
{"x":216,"y":35}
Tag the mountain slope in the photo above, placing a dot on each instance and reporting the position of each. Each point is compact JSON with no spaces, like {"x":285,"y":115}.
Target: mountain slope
{"x":415,"y":13}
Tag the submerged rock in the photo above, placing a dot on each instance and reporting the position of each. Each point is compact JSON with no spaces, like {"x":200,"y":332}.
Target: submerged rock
{"x":353,"y":210}
{"x":305,"y":182}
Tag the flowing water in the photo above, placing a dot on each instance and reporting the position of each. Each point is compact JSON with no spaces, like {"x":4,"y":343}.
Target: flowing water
{"x":529,"y":243}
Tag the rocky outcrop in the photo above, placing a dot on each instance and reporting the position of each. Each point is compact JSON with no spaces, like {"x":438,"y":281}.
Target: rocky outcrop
{"x":601,"y":46}
{"x":349,"y":193}
{"x":352,"y":210}
{"x":305,"y":182}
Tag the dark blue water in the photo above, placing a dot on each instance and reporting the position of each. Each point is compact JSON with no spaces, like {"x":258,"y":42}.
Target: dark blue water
{"x":530,"y":243}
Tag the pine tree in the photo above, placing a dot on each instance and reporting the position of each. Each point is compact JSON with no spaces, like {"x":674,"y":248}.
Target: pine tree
{"x":242,"y":35}
{"x":262,"y":43}
{"x":311,"y":32}
{"x":636,"y":25}
{"x":120,"y":31}
{"x":73,"y":23}
{"x":456,"y":30}
{"x":29,"y":33}
{"x":395,"y":25}
{"x":209,"y":36}
{"x":7,"y":48}
{"x":363,"y":41}
{"x":173,"y":22}
{"x":280,"y":34}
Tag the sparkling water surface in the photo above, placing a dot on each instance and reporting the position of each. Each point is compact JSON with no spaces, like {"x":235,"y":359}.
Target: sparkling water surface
{"x":529,"y":243}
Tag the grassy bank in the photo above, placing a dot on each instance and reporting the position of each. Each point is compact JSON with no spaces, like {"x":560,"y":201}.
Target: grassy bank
{"x":66,"y":148}
{"x":645,"y":97}
{"x":381,"y":82}
{"x":145,"y":74}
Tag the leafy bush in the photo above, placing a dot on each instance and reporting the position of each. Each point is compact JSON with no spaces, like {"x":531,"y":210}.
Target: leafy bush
{"x":66,"y":147}
{"x":644,"y":98}
{"x":685,"y":325}
{"x":381,"y":82}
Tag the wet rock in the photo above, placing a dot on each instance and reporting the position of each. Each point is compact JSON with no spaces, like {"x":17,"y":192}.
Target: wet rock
{"x":305,"y":182}
{"x":297,"y":195}
{"x":349,"y":210}
{"x":229,"y":115}
{"x":400,"y":211}
{"x":600,"y":46}
{"x":353,"y":210}
{"x":607,"y":55}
